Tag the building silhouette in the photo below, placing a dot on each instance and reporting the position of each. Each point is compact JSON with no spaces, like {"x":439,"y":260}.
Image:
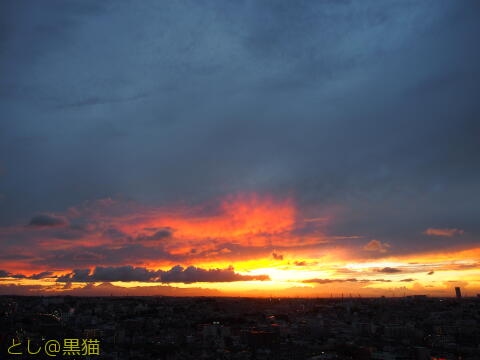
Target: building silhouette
{"x":458,"y":292}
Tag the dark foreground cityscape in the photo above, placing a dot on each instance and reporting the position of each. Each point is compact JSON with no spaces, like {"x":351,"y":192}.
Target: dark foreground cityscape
{"x":408,"y":328}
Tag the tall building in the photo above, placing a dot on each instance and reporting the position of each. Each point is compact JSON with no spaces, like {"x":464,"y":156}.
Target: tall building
{"x":458,"y":292}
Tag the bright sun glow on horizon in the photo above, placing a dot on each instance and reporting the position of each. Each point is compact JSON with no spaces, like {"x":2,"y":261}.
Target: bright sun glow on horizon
{"x":246,"y":244}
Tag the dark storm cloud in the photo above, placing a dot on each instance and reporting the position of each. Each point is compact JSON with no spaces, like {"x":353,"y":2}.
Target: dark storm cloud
{"x":192,"y":274}
{"x":389,"y":270}
{"x":78,"y":275}
{"x":41,"y":275}
{"x":45,"y":220}
{"x":109,"y":273}
{"x":18,"y":276}
{"x":122,"y":273}
{"x":38,"y":276}
{"x":367,"y":105}
{"x":176,"y":274}
{"x":160,"y":234}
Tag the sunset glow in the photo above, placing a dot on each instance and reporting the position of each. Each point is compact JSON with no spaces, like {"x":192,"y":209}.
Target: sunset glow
{"x":246,"y":237}
{"x":258,"y":148}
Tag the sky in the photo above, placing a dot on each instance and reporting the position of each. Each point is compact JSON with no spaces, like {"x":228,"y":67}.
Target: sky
{"x":239,"y":148}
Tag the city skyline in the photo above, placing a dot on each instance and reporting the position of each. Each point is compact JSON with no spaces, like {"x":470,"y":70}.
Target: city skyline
{"x":248,"y":148}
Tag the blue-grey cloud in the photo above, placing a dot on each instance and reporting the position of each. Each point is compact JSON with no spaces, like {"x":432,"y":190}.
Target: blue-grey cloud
{"x":45,"y":220}
{"x":176,"y":274}
{"x":371,"y":106}
{"x":159,"y":234}
{"x":389,"y":270}
{"x":192,"y":274}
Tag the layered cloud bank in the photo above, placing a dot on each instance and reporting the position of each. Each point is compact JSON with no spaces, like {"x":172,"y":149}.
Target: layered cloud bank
{"x":228,"y":245}
{"x":176,"y":274}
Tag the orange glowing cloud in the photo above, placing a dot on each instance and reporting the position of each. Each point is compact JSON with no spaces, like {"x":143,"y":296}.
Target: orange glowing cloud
{"x":250,"y":218}
{"x":443,"y":232}
{"x":109,"y":232}
{"x":376,"y":245}
{"x":243,"y":242}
